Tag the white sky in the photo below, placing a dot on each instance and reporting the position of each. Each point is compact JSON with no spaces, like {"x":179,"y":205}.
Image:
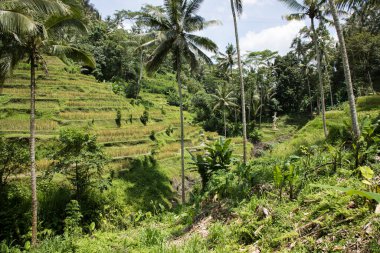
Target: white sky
{"x":260,"y":27}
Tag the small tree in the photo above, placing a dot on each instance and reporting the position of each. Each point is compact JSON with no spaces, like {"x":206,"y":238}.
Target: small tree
{"x":80,"y":158}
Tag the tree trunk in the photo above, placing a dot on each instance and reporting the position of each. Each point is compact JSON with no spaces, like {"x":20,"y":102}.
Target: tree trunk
{"x":225,"y":123}
{"x":182,"y":127}
{"x":241,"y":84}
{"x":370,"y":83}
{"x":317,"y":51}
{"x":347,"y":72}
{"x":32,"y":143}
{"x":140,"y":74}
{"x":261,"y":106}
{"x":311,"y":99}
{"x":331,"y":95}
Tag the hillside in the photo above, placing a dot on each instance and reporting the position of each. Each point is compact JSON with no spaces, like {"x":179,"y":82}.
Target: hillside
{"x":319,"y":220}
{"x":67,"y":100}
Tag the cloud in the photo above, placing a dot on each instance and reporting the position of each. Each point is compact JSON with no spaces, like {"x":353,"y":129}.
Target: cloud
{"x":276,"y":38}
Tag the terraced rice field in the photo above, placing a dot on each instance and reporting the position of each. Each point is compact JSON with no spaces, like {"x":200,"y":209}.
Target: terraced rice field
{"x":75,"y":100}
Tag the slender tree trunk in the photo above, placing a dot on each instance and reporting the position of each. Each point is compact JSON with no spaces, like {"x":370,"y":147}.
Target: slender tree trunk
{"x":317,"y":51}
{"x":370,"y":83}
{"x":261,"y":106}
{"x":140,"y":74}
{"x":182,"y":127}
{"x":241,"y":84}
{"x":225,"y":123}
{"x":318,"y":105}
{"x":311,"y":99}
{"x":331,"y":95}
{"x":32,"y":143}
{"x":347,"y":72}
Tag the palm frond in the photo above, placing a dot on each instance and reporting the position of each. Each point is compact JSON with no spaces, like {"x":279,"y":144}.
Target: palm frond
{"x":238,"y":4}
{"x":15,"y":22}
{"x":203,"y":42}
{"x":159,"y":55}
{"x":48,"y":7}
{"x":56,"y":23}
{"x":192,"y":7}
{"x":294,"y":5}
{"x":154,"y":18}
{"x":295,"y":16}
{"x":201,"y":55}
{"x":65,"y":52}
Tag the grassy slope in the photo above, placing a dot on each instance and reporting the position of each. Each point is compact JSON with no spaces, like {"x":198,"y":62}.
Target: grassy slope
{"x":318,"y":221}
{"x":311,"y":133}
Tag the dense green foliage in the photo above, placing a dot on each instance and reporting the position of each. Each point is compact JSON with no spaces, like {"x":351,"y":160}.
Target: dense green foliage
{"x":108,"y":151}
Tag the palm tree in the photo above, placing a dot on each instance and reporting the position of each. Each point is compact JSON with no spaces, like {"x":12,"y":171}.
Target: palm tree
{"x":173,"y":26}
{"x":346,"y":67}
{"x":237,"y":8}
{"x":312,"y":9}
{"x":302,"y":50}
{"x":227,"y":60}
{"x":224,"y":99}
{"x":50,"y":23}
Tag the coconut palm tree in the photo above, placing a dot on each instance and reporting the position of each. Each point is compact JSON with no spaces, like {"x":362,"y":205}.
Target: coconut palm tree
{"x":224,"y":99}
{"x":346,"y":67}
{"x":237,"y":10}
{"x":313,"y":9}
{"x":174,"y":26}
{"x":227,"y":60}
{"x":51,"y":21}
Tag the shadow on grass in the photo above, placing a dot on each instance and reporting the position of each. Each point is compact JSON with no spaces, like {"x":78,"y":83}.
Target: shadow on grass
{"x":299,"y":120}
{"x":147,"y":185}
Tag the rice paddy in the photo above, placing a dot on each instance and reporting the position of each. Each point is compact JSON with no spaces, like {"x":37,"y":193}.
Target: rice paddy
{"x":75,"y":100}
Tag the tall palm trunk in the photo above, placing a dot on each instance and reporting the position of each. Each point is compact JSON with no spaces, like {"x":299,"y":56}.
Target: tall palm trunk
{"x":32,"y":144}
{"x":241,"y":84}
{"x":347,"y":72}
{"x":140,"y":74}
{"x":261,"y":105}
{"x":322,"y":93}
{"x":311,"y":99}
{"x":182,"y":127}
{"x":225,"y":123}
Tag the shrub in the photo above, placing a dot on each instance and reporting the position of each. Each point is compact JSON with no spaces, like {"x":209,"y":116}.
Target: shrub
{"x":169,"y":130}
{"x":215,"y":157}
{"x":152,"y":135}
{"x":144,"y":118}
{"x":118,"y":118}
{"x":73,"y":219}
{"x":255,"y":136}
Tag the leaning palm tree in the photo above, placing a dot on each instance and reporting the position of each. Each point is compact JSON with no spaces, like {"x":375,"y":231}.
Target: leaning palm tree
{"x":237,"y":8}
{"x":51,"y":21}
{"x":224,"y":99}
{"x":313,"y":9}
{"x":346,"y":67}
{"x":173,"y":26}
